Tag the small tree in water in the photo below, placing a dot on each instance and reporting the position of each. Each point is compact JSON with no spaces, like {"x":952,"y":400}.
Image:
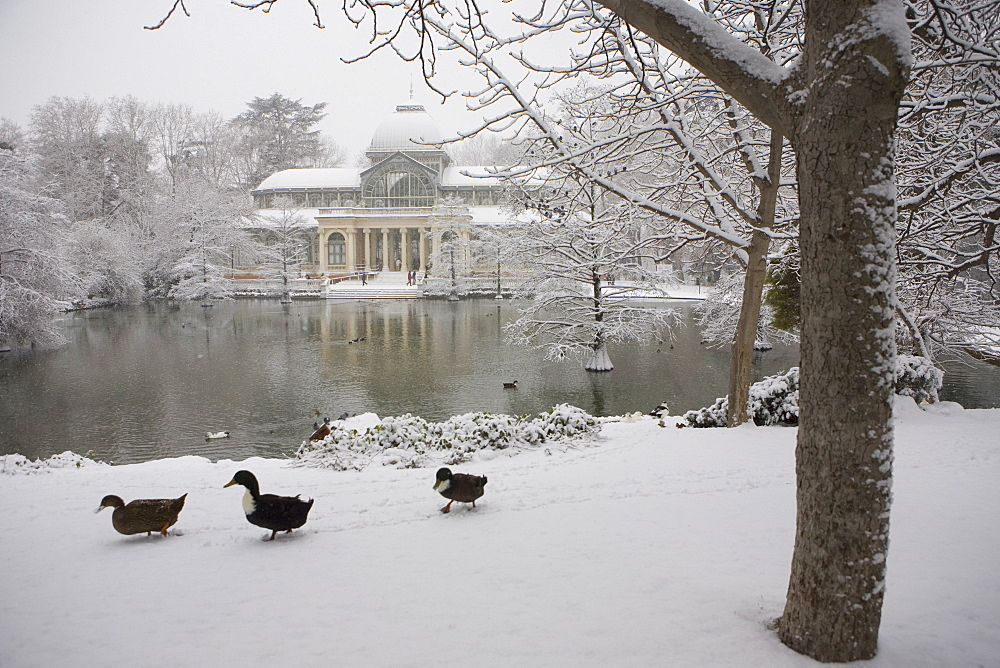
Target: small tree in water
{"x":585,"y":258}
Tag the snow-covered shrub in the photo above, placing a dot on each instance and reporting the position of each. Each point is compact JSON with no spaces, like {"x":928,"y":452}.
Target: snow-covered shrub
{"x":409,"y":441}
{"x":917,"y":377}
{"x":773,"y":401}
{"x":710,"y":416}
{"x":15,"y":464}
{"x":565,"y":421}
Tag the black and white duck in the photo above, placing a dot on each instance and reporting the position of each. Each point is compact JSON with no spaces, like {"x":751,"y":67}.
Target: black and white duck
{"x":140,"y":515}
{"x":460,"y":487}
{"x":270,"y":511}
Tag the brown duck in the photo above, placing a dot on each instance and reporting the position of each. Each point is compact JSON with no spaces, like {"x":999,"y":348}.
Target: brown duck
{"x":140,"y":515}
{"x":460,"y":487}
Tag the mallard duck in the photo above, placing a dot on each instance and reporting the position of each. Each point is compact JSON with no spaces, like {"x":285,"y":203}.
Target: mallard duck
{"x":216,"y":434}
{"x":320,"y":431}
{"x":511,"y":385}
{"x":270,"y":511}
{"x":140,"y":515}
{"x":460,"y":487}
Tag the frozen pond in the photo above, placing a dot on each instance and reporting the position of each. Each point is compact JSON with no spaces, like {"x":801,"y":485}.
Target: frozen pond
{"x":148,"y":382}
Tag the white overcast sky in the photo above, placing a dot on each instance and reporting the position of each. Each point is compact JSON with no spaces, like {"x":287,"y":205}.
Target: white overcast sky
{"x":218,"y":59}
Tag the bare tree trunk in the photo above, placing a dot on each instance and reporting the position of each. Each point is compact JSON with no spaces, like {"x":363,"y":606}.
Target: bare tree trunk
{"x":599,"y":360}
{"x":844,"y":143}
{"x":741,"y":355}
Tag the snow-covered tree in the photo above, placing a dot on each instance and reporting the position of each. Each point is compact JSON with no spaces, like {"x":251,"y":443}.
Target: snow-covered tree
{"x":66,"y":137}
{"x":286,"y":238}
{"x":584,"y":254}
{"x":493,"y":253}
{"x":201,"y":231}
{"x":107,"y":260}
{"x":278,"y":133}
{"x":700,"y":170}
{"x":837,"y":104}
{"x":129,"y":181}
{"x":949,"y":179}
{"x":95,"y":157}
{"x":451,"y":223}
{"x":11,"y":135}
{"x":34,"y":277}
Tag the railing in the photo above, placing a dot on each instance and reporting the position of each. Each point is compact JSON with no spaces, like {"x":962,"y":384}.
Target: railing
{"x":366,"y":212}
{"x":358,"y":275}
{"x":275,"y":286}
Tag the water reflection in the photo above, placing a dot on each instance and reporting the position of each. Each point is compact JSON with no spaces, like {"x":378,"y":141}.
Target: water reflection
{"x":148,"y":382}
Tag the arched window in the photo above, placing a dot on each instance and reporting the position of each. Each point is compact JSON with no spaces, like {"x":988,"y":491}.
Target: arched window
{"x":397,"y":188}
{"x":336,"y":250}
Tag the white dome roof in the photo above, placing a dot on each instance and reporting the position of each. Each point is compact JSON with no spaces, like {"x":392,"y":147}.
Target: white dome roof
{"x":409,"y":129}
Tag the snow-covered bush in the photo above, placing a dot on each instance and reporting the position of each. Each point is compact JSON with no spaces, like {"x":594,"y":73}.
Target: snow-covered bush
{"x":16,"y":464}
{"x":775,"y":400}
{"x":917,"y":377}
{"x":710,"y":416}
{"x":409,"y":441}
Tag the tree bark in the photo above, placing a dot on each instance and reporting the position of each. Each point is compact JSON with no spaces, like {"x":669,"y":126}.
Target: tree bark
{"x":844,"y":143}
{"x":741,"y":354}
{"x":599,"y":360}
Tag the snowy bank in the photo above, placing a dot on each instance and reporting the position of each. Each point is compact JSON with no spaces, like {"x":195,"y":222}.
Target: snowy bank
{"x":649,"y":546}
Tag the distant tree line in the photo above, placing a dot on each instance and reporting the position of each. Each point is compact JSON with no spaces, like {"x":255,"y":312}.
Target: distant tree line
{"x":112,"y":202}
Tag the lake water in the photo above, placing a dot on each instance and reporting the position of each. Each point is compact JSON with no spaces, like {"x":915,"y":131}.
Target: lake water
{"x":148,"y":382}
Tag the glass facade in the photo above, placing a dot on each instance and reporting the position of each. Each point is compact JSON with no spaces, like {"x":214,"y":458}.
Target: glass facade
{"x":399,"y":189}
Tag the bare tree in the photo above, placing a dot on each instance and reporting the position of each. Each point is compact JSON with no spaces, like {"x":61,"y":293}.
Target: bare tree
{"x":200,"y":231}
{"x":949,"y":179}
{"x":11,"y":135}
{"x":174,"y":127}
{"x":286,"y":238}
{"x":585,"y":258}
{"x":66,"y":137}
{"x":33,"y":276}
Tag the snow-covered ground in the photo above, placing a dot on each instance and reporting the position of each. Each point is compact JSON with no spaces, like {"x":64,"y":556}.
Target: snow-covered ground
{"x":650,"y":546}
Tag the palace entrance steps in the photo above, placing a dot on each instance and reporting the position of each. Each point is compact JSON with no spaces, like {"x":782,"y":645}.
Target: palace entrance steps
{"x":385,"y":285}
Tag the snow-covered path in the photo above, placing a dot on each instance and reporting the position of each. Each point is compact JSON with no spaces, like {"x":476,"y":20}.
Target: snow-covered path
{"x":653,"y":547}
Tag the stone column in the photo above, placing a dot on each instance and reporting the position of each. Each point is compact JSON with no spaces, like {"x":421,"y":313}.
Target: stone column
{"x":404,"y":247}
{"x":367,"y":259}
{"x":386,"y":255}
{"x":351,"y":251}
{"x":423,"y":232}
{"x":321,"y":260}
{"x":436,"y":245}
